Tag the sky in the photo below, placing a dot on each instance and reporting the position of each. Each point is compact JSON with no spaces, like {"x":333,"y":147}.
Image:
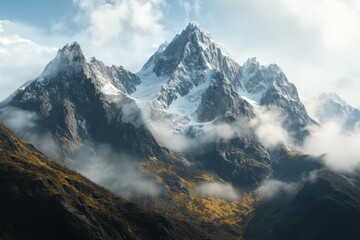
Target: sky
{"x":315,"y":42}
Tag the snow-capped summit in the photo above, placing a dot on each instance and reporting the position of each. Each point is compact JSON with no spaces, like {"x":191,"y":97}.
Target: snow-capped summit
{"x":70,"y":57}
{"x":269,"y":86}
{"x":175,"y":77}
{"x":180,"y":78}
{"x":77,"y":99}
{"x":70,"y":64}
{"x":255,"y":80}
{"x":72,"y":51}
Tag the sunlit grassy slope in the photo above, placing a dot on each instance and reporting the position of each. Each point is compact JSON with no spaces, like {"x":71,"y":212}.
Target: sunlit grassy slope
{"x":223,"y":219}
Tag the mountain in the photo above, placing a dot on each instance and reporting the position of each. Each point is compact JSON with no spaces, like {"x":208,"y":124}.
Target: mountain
{"x":78,"y":101}
{"x":181,"y":75}
{"x":186,"y":122}
{"x":41,"y":199}
{"x":191,"y":83}
{"x":330,"y":107}
{"x":84,"y":108}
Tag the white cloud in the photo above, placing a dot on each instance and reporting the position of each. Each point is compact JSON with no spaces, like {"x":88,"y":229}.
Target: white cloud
{"x":272,"y":188}
{"x":12,"y":40}
{"x":268,"y":126}
{"x":130,"y":27}
{"x":191,"y":8}
{"x":341,"y":149}
{"x":171,"y":137}
{"x":218,"y":190}
{"x":23,"y":123}
{"x":4,"y":53}
{"x":119,"y":173}
{"x":20,"y":59}
{"x":336,"y":20}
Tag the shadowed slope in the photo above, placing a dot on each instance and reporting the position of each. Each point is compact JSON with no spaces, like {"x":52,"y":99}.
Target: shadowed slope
{"x":41,"y":199}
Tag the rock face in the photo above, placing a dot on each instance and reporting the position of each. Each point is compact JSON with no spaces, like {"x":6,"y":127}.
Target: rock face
{"x":269,"y":86}
{"x":185,"y":64}
{"x":41,"y":199}
{"x":79,"y":102}
{"x":220,"y":100}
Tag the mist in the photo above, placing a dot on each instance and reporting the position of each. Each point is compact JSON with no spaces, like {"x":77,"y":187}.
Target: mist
{"x":338,"y":148}
{"x":218,"y":190}
{"x":24,"y":124}
{"x":119,"y":173}
{"x":272,"y":188}
{"x":192,"y":136}
{"x":268,"y":127}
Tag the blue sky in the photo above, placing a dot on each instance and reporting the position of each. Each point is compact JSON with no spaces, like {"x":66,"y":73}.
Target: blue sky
{"x":314,"y":42}
{"x":40,"y":13}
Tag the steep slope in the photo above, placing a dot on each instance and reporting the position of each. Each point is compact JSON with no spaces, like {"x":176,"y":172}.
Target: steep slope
{"x":269,"y":86}
{"x":41,"y":199}
{"x":325,"y":206}
{"x":326,"y":209}
{"x":220,"y":101}
{"x":79,"y":102}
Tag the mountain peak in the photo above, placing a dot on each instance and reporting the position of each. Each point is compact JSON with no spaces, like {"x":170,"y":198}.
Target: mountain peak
{"x":68,"y":57}
{"x":193,"y":48}
{"x":193,"y":24}
{"x":72,"y":52}
{"x":194,"y":27}
{"x":185,"y":63}
{"x":331,"y":96}
{"x":73,"y":45}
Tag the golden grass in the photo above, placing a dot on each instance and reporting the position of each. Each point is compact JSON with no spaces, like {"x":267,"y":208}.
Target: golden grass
{"x":213,"y":214}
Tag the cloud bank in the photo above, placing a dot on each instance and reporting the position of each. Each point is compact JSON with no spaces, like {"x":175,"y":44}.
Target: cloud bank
{"x":194,"y":136}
